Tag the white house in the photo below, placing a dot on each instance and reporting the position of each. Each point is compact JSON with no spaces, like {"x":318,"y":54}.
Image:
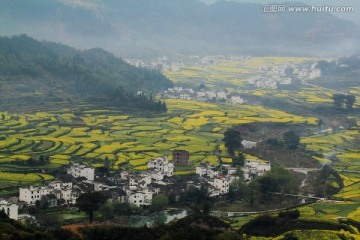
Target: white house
{"x":124,"y":175}
{"x":162,"y":164}
{"x":178,"y":89}
{"x":58,"y":185}
{"x":264,"y":167}
{"x":315,"y":73}
{"x":157,"y":175}
{"x":255,"y":168}
{"x":303,"y":73}
{"x":210,"y":94}
{"x":207,"y":169}
{"x":32,"y":194}
{"x":61,"y":190}
{"x":10,"y":209}
{"x":285,"y":81}
{"x":221,"y":95}
{"x":248,"y":144}
{"x":69,"y":195}
{"x":139,"y":199}
{"x":201,"y":94}
{"x":190,"y":90}
{"x":76,"y":170}
{"x":222,"y":184}
{"x":259,"y":165}
{"x":185,"y":96}
{"x":140,"y":196}
{"x":201,"y":171}
{"x":237,"y":99}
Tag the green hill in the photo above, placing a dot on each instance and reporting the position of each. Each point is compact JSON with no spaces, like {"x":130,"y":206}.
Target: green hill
{"x":38,"y":73}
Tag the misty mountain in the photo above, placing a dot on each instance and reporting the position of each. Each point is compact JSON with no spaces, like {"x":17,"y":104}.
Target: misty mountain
{"x":143,"y":28}
{"x":34,"y":72}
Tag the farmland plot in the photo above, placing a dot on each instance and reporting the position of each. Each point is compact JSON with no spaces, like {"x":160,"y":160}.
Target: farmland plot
{"x":96,"y":135}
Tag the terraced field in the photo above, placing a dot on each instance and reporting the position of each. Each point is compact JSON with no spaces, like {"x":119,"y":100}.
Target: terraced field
{"x":339,"y":149}
{"x":94,"y":135}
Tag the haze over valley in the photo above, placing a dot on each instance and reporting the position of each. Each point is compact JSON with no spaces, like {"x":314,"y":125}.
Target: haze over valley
{"x":195,"y":119}
{"x":141,"y":28}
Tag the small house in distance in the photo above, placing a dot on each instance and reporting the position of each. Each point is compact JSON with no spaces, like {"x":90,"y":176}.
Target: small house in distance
{"x":161,"y":164}
{"x":9,"y":209}
{"x":76,"y":170}
{"x":180,"y":157}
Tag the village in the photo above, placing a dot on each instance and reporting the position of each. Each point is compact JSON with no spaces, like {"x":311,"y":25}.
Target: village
{"x":275,"y":77}
{"x":174,"y":63}
{"x":201,"y":95}
{"x":267,"y":77}
{"x":134,"y":188}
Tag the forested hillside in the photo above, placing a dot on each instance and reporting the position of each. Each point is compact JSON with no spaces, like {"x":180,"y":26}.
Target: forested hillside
{"x":33,"y":71}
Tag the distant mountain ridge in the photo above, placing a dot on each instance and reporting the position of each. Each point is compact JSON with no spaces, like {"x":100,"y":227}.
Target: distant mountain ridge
{"x":34,"y":72}
{"x":132,"y":28}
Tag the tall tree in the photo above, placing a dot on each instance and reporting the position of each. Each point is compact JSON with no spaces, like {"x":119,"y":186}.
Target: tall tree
{"x":198,"y":198}
{"x":232,"y":139}
{"x":159,"y":202}
{"x":90,"y":202}
{"x":237,"y":189}
{"x":349,"y":101}
{"x":338,"y":100}
{"x":239,"y":160}
{"x":344,"y":101}
{"x":277,"y":180}
{"x":291,"y":139}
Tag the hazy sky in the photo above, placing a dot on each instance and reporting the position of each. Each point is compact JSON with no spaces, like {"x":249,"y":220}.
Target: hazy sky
{"x":355,"y":16}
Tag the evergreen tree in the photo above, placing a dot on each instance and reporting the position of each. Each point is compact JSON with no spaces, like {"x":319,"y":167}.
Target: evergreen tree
{"x":90,"y":202}
{"x":291,"y":139}
{"x":349,"y":101}
{"x":232,"y":139}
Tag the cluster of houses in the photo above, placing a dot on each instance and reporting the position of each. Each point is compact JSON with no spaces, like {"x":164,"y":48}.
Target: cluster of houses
{"x":284,"y":75}
{"x":135,"y":188}
{"x":253,"y":168}
{"x":219,"y":178}
{"x":175,"y":62}
{"x":202,"y":95}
